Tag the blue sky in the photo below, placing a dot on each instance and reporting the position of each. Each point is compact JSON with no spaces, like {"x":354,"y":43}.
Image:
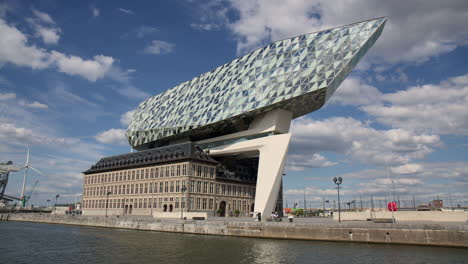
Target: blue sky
{"x":72,"y":72}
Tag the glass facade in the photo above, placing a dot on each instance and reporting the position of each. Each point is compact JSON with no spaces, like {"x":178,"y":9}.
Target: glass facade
{"x":298,"y":74}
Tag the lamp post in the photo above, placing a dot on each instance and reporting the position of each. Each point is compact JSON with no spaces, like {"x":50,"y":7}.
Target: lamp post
{"x":182,"y":202}
{"x":107,"y":201}
{"x":56,"y":199}
{"x":338,"y":181}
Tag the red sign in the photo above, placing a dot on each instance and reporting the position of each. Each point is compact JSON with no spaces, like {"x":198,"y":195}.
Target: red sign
{"x":392,"y":206}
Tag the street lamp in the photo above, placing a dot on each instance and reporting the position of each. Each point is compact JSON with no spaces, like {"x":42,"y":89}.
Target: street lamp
{"x":56,"y":199}
{"x":182,"y":202}
{"x":107,"y":201}
{"x":338,"y":181}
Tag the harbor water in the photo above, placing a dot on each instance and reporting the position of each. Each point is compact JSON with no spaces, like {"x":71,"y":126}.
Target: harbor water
{"x":46,"y":243}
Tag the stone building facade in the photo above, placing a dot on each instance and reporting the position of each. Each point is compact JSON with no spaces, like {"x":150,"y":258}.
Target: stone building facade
{"x":145,"y":182}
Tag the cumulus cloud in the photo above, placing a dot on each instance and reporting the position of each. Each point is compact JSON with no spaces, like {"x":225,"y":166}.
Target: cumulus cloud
{"x":424,"y":181}
{"x":126,"y":118}
{"x":7,"y":96}
{"x":438,"y":108}
{"x":159,"y":47}
{"x":415,"y":30}
{"x":45,"y":27}
{"x":351,"y":137}
{"x":353,"y":91}
{"x":14,"y":48}
{"x":34,"y":104}
{"x":50,"y":35}
{"x":43,"y":17}
{"x":89,"y":69}
{"x":112,"y":136}
{"x":300,"y":162}
{"x":12,"y":133}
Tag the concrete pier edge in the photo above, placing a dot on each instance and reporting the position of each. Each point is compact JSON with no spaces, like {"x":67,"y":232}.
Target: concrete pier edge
{"x":453,"y":235}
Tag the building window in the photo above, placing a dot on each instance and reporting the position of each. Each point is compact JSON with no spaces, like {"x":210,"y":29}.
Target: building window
{"x":199,"y":170}
{"x":217,"y":188}
{"x":205,"y":187}
{"x":211,"y":187}
{"x":198,"y":203}
{"x":146,"y":187}
{"x":160,"y":202}
{"x":177,"y":186}
{"x":172,"y":186}
{"x":166,"y":187}
{"x":157,"y":172}
{"x":176,"y":205}
{"x":178,"y":170}
{"x":172,"y":171}
{"x":160,"y":187}
{"x":192,"y":186}
{"x":229,"y":190}
{"x":223,"y":189}
{"x":210,"y":204}
{"x":146,"y":173}
{"x":184,"y":169}
{"x":198,"y":186}
{"x":167,"y":171}
{"x":162,"y":172}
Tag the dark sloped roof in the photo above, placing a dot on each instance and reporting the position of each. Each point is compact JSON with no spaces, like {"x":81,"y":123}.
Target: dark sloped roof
{"x":173,"y":153}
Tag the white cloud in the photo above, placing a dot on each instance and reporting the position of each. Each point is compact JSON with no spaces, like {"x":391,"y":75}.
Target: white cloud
{"x":89,"y":69}
{"x":7,"y":96}
{"x":34,"y":104}
{"x":112,"y":136}
{"x":348,"y":136}
{"x":415,"y":30}
{"x":144,"y":31}
{"x":126,"y":11}
{"x":300,"y":162}
{"x":353,"y":91}
{"x":43,"y":17}
{"x":441,"y":108}
{"x":407,"y":169}
{"x":15,"y":49}
{"x":95,"y":11}
{"x":11,"y":133}
{"x":49,"y":35}
{"x":132,"y":92}
{"x":159,"y":47}
{"x":126,"y":118}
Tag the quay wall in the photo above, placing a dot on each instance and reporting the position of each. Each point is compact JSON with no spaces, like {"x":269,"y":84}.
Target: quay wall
{"x":418,"y":216}
{"x":451,"y":235}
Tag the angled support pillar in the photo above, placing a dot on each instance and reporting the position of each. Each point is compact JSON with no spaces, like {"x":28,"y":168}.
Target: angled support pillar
{"x":272,"y":152}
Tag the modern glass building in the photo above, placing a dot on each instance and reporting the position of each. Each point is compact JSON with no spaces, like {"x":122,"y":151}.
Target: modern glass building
{"x":239,"y":116}
{"x":297,"y":74}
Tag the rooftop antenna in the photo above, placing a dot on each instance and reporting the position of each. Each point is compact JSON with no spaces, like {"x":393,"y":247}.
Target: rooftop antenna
{"x":26,"y":167}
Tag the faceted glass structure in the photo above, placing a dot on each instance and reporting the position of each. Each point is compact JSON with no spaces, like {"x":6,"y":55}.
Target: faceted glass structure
{"x":297,"y":74}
